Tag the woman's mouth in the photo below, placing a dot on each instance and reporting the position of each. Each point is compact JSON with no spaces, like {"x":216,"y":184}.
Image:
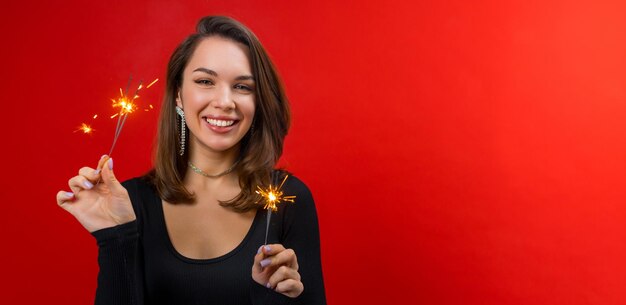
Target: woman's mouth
{"x":219,"y":123}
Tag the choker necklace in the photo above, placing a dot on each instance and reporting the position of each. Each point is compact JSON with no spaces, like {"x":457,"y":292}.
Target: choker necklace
{"x":201,"y":172}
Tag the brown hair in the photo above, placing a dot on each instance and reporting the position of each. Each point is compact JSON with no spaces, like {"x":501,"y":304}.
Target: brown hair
{"x":260,"y":148}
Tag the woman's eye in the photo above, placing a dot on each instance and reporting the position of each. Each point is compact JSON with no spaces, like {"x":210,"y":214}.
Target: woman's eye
{"x":205,"y":82}
{"x":243,"y":87}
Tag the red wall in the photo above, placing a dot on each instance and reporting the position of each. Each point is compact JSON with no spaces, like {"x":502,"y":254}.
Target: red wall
{"x":460,"y":152}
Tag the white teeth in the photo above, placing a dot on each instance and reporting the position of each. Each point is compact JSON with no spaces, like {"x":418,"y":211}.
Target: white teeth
{"x":220,"y":123}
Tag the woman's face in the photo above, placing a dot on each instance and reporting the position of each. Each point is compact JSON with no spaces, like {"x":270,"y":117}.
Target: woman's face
{"x":217,"y":94}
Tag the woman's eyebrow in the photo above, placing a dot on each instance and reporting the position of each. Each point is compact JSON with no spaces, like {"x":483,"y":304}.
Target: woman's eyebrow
{"x":245,"y":77}
{"x":213,"y":73}
{"x":207,"y":71}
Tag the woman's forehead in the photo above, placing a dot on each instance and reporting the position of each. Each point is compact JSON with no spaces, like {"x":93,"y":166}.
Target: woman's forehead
{"x":221,"y":55}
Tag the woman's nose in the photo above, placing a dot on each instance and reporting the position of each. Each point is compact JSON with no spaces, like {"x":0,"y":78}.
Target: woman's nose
{"x":224,"y":99}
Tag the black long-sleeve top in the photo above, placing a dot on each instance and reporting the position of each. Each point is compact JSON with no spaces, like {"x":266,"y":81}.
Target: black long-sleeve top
{"x":139,"y":265}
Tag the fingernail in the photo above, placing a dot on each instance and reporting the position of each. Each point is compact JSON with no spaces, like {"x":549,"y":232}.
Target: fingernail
{"x":96,"y":171}
{"x":69,"y":194}
{"x":103,"y":156}
{"x":268,"y":248}
{"x":259,"y":251}
{"x":110,"y":163}
{"x":268,"y":285}
{"x":265,"y":262}
{"x":88,"y":185}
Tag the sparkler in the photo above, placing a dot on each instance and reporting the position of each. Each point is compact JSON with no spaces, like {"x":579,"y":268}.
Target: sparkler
{"x":126,"y":105}
{"x":272,"y":196}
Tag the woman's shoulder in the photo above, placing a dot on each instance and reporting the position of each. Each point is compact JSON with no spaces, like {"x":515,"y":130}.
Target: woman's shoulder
{"x":142,"y":193}
{"x":139,"y":185}
{"x":303,"y":203}
{"x":300,"y":215}
{"x":293,"y":185}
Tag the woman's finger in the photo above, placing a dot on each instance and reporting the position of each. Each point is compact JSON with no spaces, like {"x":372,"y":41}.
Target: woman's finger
{"x":91,"y":174}
{"x":79,"y":183}
{"x":64,"y":200}
{"x":109,"y":179}
{"x":63,"y":197}
{"x":260,"y":255}
{"x":285,"y":257}
{"x":281,"y":274}
{"x":290,"y":288}
{"x":102,"y":161}
{"x":273,"y":249}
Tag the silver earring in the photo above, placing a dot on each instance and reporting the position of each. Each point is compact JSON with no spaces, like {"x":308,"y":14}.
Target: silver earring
{"x":181,"y":116}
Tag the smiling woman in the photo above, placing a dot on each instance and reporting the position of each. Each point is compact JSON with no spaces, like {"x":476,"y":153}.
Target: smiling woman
{"x":176,"y":236}
{"x":193,"y":73}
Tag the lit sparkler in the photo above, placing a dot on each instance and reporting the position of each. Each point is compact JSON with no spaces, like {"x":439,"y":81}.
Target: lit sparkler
{"x":126,"y":105}
{"x":273,"y":196}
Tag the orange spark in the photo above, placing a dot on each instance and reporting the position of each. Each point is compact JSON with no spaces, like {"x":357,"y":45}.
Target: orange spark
{"x":125,"y":105}
{"x":152,"y":83}
{"x":86,"y":129}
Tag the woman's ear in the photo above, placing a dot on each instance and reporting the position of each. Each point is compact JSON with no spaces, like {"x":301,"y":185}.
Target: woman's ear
{"x":179,"y":101}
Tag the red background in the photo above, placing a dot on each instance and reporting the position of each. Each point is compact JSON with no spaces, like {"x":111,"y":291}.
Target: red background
{"x":460,"y":152}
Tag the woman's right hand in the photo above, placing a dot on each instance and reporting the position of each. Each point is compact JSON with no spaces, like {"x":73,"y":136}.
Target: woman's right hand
{"x":97,"y":205}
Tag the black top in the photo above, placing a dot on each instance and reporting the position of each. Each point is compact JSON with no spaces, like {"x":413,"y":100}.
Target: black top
{"x":139,"y":264}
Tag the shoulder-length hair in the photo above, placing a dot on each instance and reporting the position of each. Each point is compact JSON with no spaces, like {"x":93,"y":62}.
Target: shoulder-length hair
{"x":260,"y":148}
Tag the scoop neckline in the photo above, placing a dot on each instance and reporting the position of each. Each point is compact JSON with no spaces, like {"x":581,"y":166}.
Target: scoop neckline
{"x":190,"y":260}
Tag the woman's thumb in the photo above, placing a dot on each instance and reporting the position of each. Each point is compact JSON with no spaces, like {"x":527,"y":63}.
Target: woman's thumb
{"x":108,"y":177}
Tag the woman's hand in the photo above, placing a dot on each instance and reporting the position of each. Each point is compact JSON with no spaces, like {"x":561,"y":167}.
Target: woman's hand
{"x":97,"y":205}
{"x":277,"y":268}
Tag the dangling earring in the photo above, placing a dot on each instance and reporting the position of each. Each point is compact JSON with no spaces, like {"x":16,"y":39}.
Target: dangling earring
{"x":181,"y":116}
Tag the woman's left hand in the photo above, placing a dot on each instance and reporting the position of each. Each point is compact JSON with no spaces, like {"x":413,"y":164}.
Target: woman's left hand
{"x":277,"y":268}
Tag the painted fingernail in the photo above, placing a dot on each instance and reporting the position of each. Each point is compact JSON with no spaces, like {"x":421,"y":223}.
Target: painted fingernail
{"x":268,"y":285}
{"x":69,"y":194}
{"x":259,"y":251}
{"x":88,"y":185}
{"x":268,"y":248}
{"x":110,"y":163}
{"x":96,"y":171}
{"x":266,"y":262}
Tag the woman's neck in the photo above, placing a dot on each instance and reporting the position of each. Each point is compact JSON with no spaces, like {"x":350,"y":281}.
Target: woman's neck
{"x":210,"y":167}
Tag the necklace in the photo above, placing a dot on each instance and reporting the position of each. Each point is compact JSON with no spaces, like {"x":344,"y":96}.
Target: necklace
{"x":201,"y":172}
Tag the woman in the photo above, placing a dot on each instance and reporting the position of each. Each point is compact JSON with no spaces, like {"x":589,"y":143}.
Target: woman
{"x":191,"y":231}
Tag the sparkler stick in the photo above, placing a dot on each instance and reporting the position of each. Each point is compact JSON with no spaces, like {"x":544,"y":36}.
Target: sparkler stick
{"x":130,"y":78}
{"x":118,"y":130}
{"x":272,"y":196}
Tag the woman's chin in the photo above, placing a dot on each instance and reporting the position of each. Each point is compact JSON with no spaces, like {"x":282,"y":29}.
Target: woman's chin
{"x":220,"y":147}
